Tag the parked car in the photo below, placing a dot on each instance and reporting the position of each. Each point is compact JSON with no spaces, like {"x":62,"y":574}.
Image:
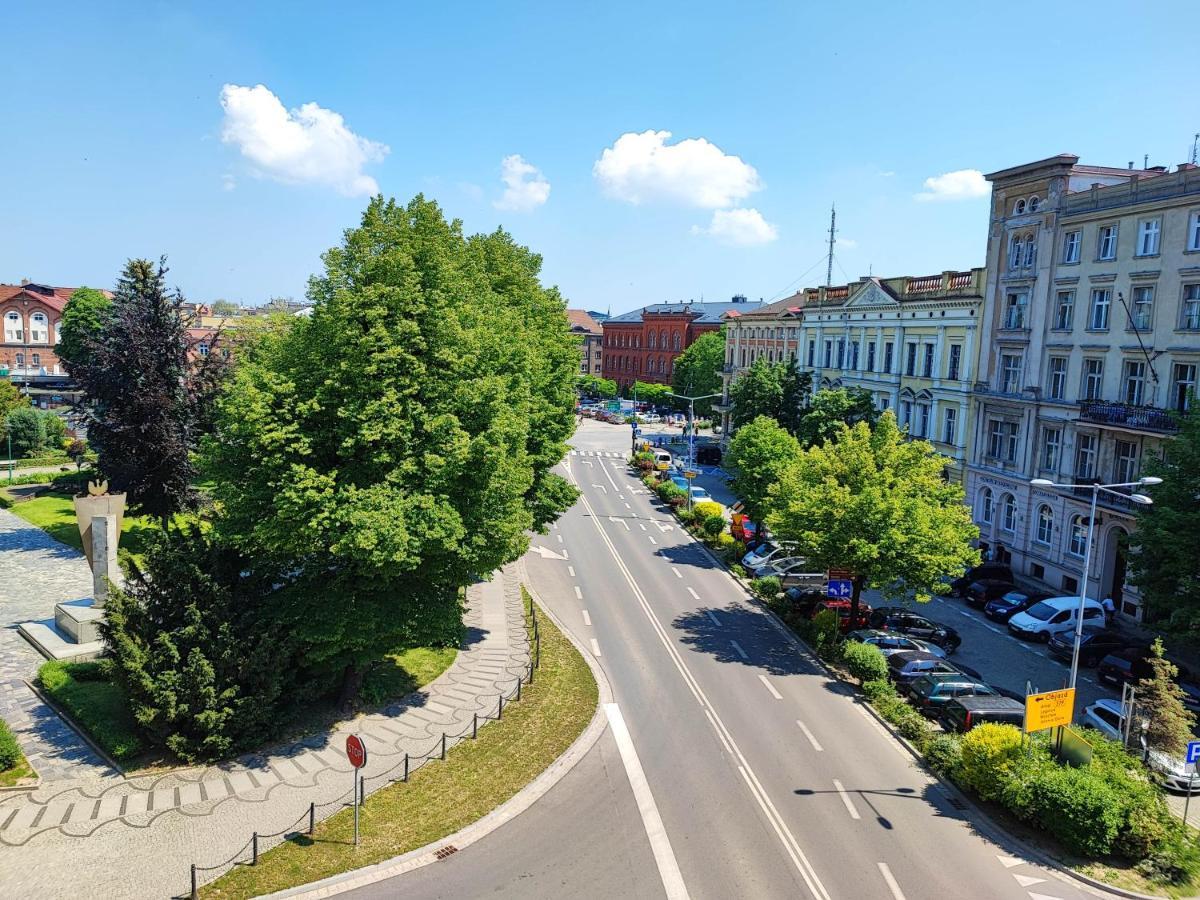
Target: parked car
{"x":890,"y":642}
{"x":906,"y":667}
{"x":1105,"y":716}
{"x":1005,"y":607}
{"x":1045,"y":619}
{"x":930,"y":693}
{"x":804,"y":600}
{"x":981,"y":593}
{"x":905,"y":621}
{"x":1173,"y":772}
{"x":699,"y":495}
{"x":762,"y":554}
{"x":680,"y":482}
{"x":963,"y":713}
{"x":779,"y":567}
{"x":842,"y":609}
{"x":1095,"y":643}
{"x":1131,"y":665}
{"x":988,"y":571}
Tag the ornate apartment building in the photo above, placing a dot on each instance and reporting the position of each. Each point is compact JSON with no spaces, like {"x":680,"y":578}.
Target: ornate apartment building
{"x":910,"y":341}
{"x":1091,"y":336}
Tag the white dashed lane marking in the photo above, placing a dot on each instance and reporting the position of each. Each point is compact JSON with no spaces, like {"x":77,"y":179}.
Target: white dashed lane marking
{"x":811,"y":739}
{"x":578,"y":593}
{"x":695,"y":596}
{"x":587,"y":620}
{"x":713,"y":617}
{"x":849,"y":804}
{"x":897,"y":894}
{"x":738,"y":649}
{"x":571,"y":571}
{"x":596,"y":648}
{"x":770,"y":687}
{"x":678,"y":574}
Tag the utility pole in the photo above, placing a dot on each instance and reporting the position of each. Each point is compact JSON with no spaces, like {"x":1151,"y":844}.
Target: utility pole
{"x":832,"y":238}
{"x":1195,"y":147}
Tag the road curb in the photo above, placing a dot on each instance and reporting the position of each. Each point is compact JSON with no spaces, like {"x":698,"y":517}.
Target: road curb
{"x":504,"y":813}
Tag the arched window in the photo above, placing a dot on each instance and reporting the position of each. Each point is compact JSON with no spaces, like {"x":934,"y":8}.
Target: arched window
{"x":1045,"y":524}
{"x":1030,"y":249}
{"x":1016,"y":250}
{"x":678,"y":338}
{"x":39,"y":328}
{"x":985,"y":506}
{"x":1078,"y":543}
{"x":650,"y":343}
{"x":13,"y":332}
{"x":20,"y":360}
{"x":662,"y":339}
{"x":1034,"y":203}
{"x":1008,"y":513}
{"x":1019,"y":209}
{"x":37,"y":360}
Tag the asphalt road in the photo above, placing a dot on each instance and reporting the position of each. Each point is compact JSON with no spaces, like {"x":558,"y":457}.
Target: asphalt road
{"x":733,"y":767}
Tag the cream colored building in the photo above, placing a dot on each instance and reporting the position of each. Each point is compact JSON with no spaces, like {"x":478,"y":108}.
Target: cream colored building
{"x":1091,"y":337}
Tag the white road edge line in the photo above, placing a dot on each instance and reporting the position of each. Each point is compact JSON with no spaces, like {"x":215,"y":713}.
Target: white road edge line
{"x":770,"y":687}
{"x":891,"y":881}
{"x":596,"y":648}
{"x":587,"y":620}
{"x":738,"y":649}
{"x":811,"y":739}
{"x":578,"y":593}
{"x":846,"y":800}
{"x":660,"y":844}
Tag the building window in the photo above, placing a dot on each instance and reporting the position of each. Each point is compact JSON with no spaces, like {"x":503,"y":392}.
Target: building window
{"x":906,"y":413}
{"x":36,"y":360}
{"x":841,"y":353}
{"x":1126,"y":461}
{"x":1008,"y":513}
{"x":1183,"y":386}
{"x":1002,"y":440}
{"x":884,"y":402}
{"x":985,"y":505}
{"x":1016,"y":251}
{"x":1071,"y":242}
{"x":1085,"y":457}
{"x":13,"y":333}
{"x":870,"y":356}
{"x":650,"y":341}
{"x":1015,"y":305}
{"x":888,"y":350}
{"x":1051,"y":448}
{"x":1148,"y":233}
{"x":910,"y":360}
{"x":828,"y":354}
{"x":923,"y":419}
{"x":39,"y":328}
{"x":955,"y":362}
{"x":1133,"y":389}
{"x":1078,"y":543}
{"x":1030,"y":251}
{"x":1010,"y":373}
{"x":1045,"y":524}
{"x":1058,"y":377}
{"x":1034,"y":203}
{"x":1064,"y":310}
{"x":1101,"y":304}
{"x":1019,"y":208}
{"x":854,"y":355}
{"x":1093,"y":379}
{"x":1193,"y":241}
{"x":1106,"y":246}
{"x":1142,"y":311}
{"x":678,"y":342}
{"x":1190,"y":320}
{"x":812,"y":353}
{"x":950,"y":426}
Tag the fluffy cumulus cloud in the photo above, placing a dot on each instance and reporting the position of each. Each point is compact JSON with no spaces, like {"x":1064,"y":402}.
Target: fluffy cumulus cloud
{"x":740,"y":227}
{"x":307,"y":145}
{"x":639,"y":168}
{"x":963,"y":184}
{"x":525,"y":188}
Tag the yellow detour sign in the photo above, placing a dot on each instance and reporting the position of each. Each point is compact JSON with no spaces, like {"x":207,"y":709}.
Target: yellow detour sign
{"x":689,"y":474}
{"x":1050,"y":709}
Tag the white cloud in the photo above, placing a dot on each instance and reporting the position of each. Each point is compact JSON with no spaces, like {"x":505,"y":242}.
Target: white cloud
{"x":740,"y":227}
{"x":308,"y":145}
{"x":963,"y":184}
{"x":643,"y":167}
{"x":846,"y":243}
{"x":525,"y":187}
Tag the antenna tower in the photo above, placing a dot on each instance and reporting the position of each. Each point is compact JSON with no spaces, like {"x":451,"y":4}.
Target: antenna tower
{"x":832,"y":240}
{"x":1195,"y":147}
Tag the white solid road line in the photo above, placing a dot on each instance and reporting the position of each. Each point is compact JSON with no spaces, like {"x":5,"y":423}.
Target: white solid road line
{"x":587,"y":620}
{"x":738,"y":649}
{"x":846,"y":799}
{"x":678,"y":574}
{"x":660,"y":844}
{"x":770,"y":687}
{"x":808,"y":734}
{"x":695,"y":596}
{"x":578,"y":593}
{"x":891,"y":881}
{"x":713,"y":617}
{"x":596,"y":648}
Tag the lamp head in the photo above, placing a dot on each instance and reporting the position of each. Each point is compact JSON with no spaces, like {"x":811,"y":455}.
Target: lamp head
{"x":1141,"y":499}
{"x":1042,"y":482}
{"x":1149,"y":480}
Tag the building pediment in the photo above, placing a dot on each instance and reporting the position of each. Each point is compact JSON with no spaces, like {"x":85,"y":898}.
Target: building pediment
{"x":872,"y":294}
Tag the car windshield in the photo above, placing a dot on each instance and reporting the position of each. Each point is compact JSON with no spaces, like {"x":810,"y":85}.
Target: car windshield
{"x":1041,"y":611}
{"x":1012,"y":598}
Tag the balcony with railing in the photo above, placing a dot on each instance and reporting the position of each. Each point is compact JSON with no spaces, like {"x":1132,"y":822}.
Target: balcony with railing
{"x":1125,"y":415}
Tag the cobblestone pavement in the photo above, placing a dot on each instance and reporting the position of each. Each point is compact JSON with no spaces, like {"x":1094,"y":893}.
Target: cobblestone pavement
{"x":65,"y":838}
{"x":36,"y":572}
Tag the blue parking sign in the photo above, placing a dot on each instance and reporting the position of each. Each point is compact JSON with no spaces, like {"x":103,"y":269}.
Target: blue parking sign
{"x":839,"y":590}
{"x":1193,"y":751}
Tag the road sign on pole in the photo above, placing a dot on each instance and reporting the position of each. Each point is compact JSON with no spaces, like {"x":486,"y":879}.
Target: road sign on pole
{"x":1193,"y":752}
{"x":1049,"y":710}
{"x":839,"y":589}
{"x":356,"y":752}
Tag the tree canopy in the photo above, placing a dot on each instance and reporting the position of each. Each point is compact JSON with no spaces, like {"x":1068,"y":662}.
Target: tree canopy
{"x":595,"y":386}
{"x":651,"y":392}
{"x":1162,"y":698}
{"x":1163,"y":562}
{"x":875,"y":503}
{"x":225,"y":308}
{"x":698,"y":369}
{"x":398,"y":443}
{"x":82,"y":319}
{"x":779,"y":390}
{"x":758,"y":454}
{"x":831,"y":408}
{"x":11,"y":399}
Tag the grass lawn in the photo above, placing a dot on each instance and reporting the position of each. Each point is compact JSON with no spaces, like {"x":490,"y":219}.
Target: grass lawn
{"x":54,"y":513}
{"x":96,"y":703}
{"x":441,"y":797}
{"x":13,"y":776}
{"x":402,"y":673}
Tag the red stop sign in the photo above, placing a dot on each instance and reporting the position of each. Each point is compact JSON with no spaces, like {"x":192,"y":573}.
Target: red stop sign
{"x":356,"y":751}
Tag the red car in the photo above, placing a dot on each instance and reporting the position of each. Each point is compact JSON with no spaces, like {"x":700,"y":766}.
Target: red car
{"x":842,"y":608}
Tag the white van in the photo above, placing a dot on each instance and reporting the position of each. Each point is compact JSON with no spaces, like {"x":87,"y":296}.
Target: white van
{"x":1054,"y":615}
{"x":662,"y":460}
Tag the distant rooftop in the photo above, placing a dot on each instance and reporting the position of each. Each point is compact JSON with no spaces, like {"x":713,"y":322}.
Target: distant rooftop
{"x":703,"y":313}
{"x":583,"y":321}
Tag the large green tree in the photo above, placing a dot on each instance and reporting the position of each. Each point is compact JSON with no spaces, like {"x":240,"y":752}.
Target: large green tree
{"x":25,"y":427}
{"x":82,"y":320}
{"x":758,"y":454}
{"x":595,"y":386}
{"x":1163,"y":561}
{"x":795,"y":396}
{"x":10,"y":399}
{"x":832,"y":408}
{"x":698,"y":369}
{"x":398,"y":444}
{"x":1161,"y":696}
{"x":651,"y":392}
{"x":875,"y":503}
{"x":779,"y":390}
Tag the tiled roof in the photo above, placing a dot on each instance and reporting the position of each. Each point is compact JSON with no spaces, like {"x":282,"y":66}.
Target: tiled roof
{"x":703,"y":313}
{"x":771,"y":310}
{"x":579,"y":318}
{"x":54,"y":297}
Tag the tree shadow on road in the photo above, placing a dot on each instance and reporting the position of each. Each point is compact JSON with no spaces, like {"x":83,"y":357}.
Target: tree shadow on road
{"x":762,"y":647}
{"x":687,"y":555}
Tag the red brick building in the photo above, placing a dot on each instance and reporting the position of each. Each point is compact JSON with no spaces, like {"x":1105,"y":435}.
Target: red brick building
{"x":642,"y":345}
{"x":30,"y":317}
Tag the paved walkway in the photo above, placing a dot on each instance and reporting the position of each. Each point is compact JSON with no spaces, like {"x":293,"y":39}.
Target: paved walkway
{"x":62,"y":840}
{"x":36,"y":572}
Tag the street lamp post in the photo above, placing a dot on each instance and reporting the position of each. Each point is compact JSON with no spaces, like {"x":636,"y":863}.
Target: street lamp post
{"x":692,"y":423}
{"x":1087,"y":555}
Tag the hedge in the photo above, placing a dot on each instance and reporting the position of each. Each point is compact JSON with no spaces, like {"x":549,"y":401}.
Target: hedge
{"x":866,"y":662}
{"x":10,"y":751}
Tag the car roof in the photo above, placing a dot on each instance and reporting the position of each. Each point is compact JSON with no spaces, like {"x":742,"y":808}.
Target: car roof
{"x":907,"y":656}
{"x":989,"y":702}
{"x":1113,"y":706}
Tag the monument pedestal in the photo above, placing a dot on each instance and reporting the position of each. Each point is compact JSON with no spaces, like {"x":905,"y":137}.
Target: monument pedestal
{"x":73,"y":634}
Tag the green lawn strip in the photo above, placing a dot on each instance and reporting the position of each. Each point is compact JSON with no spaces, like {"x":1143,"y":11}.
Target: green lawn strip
{"x":54,"y":513}
{"x":12,"y":777}
{"x":441,"y":797}
{"x":398,"y":674}
{"x":97,"y":704}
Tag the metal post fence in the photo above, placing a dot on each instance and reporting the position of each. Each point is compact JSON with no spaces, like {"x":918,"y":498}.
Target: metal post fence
{"x":406,"y":767}
{"x":443,"y":745}
{"x":474,"y":725}
{"x":518,"y":689}
{"x":254,"y":852}
{"x":195,"y":886}
{"x":312,"y":817}
{"x":500,"y":709}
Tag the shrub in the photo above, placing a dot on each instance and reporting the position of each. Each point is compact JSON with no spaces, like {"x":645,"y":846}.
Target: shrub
{"x":987,"y":754}
{"x":727,"y":544}
{"x":27,"y":431}
{"x":738,"y":569}
{"x":706,"y":509}
{"x":866,"y":662}
{"x":1078,"y":807}
{"x":1025,"y":772}
{"x":56,"y":430}
{"x":944,"y":753}
{"x":878,"y":689}
{"x":825,"y":629}
{"x":1176,"y":859}
{"x":10,"y":751}
{"x":739,"y":548}
{"x":713,"y":525}
{"x":766,"y":587}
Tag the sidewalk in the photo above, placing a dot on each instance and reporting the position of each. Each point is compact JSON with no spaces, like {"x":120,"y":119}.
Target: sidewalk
{"x":61,"y":839}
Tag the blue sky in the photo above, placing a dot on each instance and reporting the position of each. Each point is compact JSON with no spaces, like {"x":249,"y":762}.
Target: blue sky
{"x":118,"y":144}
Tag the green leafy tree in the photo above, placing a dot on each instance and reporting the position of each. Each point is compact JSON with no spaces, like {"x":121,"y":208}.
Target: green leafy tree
{"x":1161,"y":696}
{"x":758,"y":454}
{"x":698,"y":369}
{"x":225,"y":308}
{"x":1163,"y":561}
{"x":82,"y":320}
{"x":399,"y":443}
{"x":11,"y":399}
{"x":830,"y":409}
{"x":56,"y":430}
{"x":26,"y":427}
{"x":875,"y":503}
{"x":757,"y":392}
{"x":795,"y":396}
{"x":595,"y":386}
{"x":651,"y":392}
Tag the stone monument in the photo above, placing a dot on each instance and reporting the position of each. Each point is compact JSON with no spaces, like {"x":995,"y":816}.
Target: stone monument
{"x":74,"y":632}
